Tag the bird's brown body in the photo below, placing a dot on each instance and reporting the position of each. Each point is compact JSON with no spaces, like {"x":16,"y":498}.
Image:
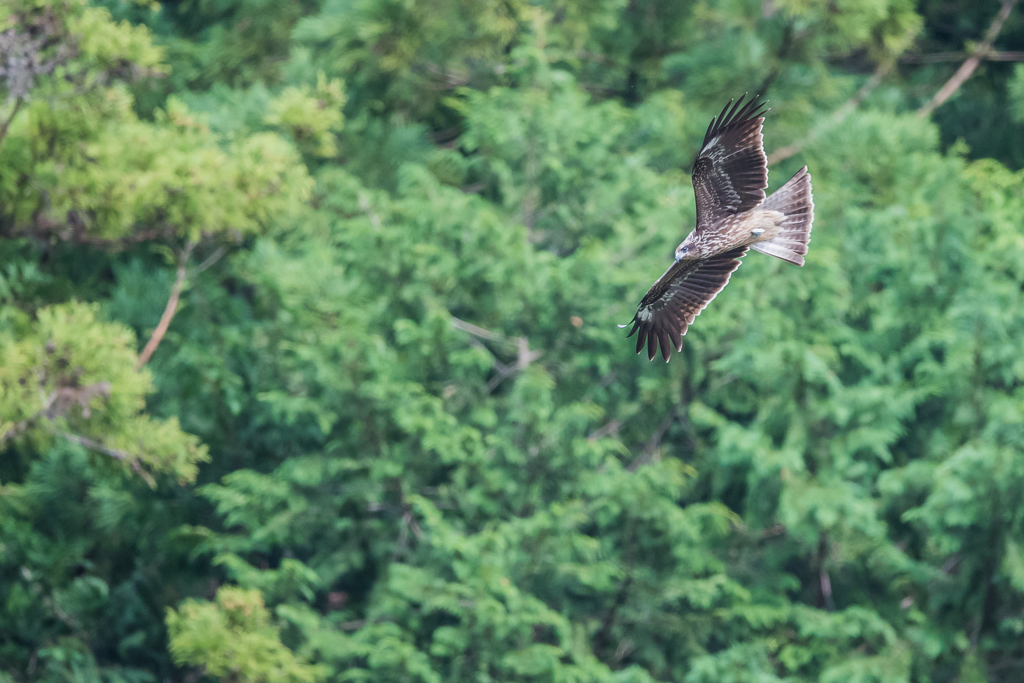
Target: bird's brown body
{"x":733,"y":215}
{"x":742,"y":229}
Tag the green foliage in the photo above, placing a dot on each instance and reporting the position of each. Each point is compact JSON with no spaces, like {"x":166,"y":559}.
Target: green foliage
{"x":233,"y":639}
{"x":170,"y":178}
{"x":423,"y":451}
{"x":1016,"y":91}
{"x":404,"y":55}
{"x":67,"y":375}
{"x":311,"y":121}
{"x":78,"y":163}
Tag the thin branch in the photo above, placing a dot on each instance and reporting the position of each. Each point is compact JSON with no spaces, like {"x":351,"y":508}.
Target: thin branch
{"x":352,"y":625}
{"x":844,"y":110}
{"x":601,"y":637}
{"x":14,"y":112}
{"x":1003,"y":56}
{"x":477,"y":331}
{"x":826,"y":598}
{"x":524,"y":355}
{"x":837,"y":116}
{"x":115,"y":453}
{"x":57,"y":404}
{"x":826,"y":590}
{"x":367,"y":208}
{"x":79,"y":236}
{"x":169,"y":310}
{"x":610,"y":428}
{"x":20,"y":427}
{"x":523,"y":360}
{"x":655,"y":443}
{"x":940,"y":57}
{"x":214,"y":257}
{"x":971,"y":63}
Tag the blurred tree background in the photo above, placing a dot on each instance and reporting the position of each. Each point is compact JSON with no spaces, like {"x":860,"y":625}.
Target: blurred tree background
{"x":309,"y":368}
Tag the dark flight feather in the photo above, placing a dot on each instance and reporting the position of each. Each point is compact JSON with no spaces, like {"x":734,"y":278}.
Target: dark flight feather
{"x":731,"y":170}
{"x":729,"y":179}
{"x":678,"y":297}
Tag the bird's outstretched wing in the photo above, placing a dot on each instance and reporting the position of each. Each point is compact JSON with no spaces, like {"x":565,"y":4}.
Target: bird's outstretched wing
{"x":731,"y":170}
{"x":677,"y":297}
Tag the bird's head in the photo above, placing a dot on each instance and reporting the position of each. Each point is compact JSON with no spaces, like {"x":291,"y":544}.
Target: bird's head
{"x":682,"y":251}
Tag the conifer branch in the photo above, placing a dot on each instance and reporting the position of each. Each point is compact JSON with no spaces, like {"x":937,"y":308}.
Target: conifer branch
{"x":971,"y":63}
{"x":57,"y":405}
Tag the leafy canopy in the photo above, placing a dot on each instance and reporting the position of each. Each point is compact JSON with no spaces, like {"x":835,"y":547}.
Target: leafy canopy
{"x":392,"y":431}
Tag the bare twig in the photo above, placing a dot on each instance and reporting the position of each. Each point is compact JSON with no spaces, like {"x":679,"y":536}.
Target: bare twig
{"x":14,"y":112}
{"x":353,"y":625}
{"x":826,"y":598}
{"x":836,"y":117}
{"x":826,"y":590}
{"x":844,"y":110}
{"x":57,"y":404}
{"x":169,"y":310}
{"x":213,"y":258}
{"x":655,"y":443}
{"x":524,"y":354}
{"x":79,"y":236}
{"x":971,"y":63}
{"x":20,"y":427}
{"x":85,"y":442}
{"x":608,"y":623}
{"x":74,"y":231}
{"x":609,"y":429}
{"x":477,"y":331}
{"x":21,"y":55}
{"x":367,"y":208}
{"x":940,"y":57}
{"x":524,"y":358}
{"x":115,"y":453}
{"x":502,"y":373}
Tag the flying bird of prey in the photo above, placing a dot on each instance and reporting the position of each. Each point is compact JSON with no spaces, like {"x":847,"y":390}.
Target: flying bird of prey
{"x":729,"y":178}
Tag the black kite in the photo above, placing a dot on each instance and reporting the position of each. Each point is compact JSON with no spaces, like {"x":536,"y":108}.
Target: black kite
{"x":729,"y":178}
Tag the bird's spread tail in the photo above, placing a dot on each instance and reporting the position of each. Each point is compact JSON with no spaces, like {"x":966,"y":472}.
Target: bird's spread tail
{"x":794,"y":200}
